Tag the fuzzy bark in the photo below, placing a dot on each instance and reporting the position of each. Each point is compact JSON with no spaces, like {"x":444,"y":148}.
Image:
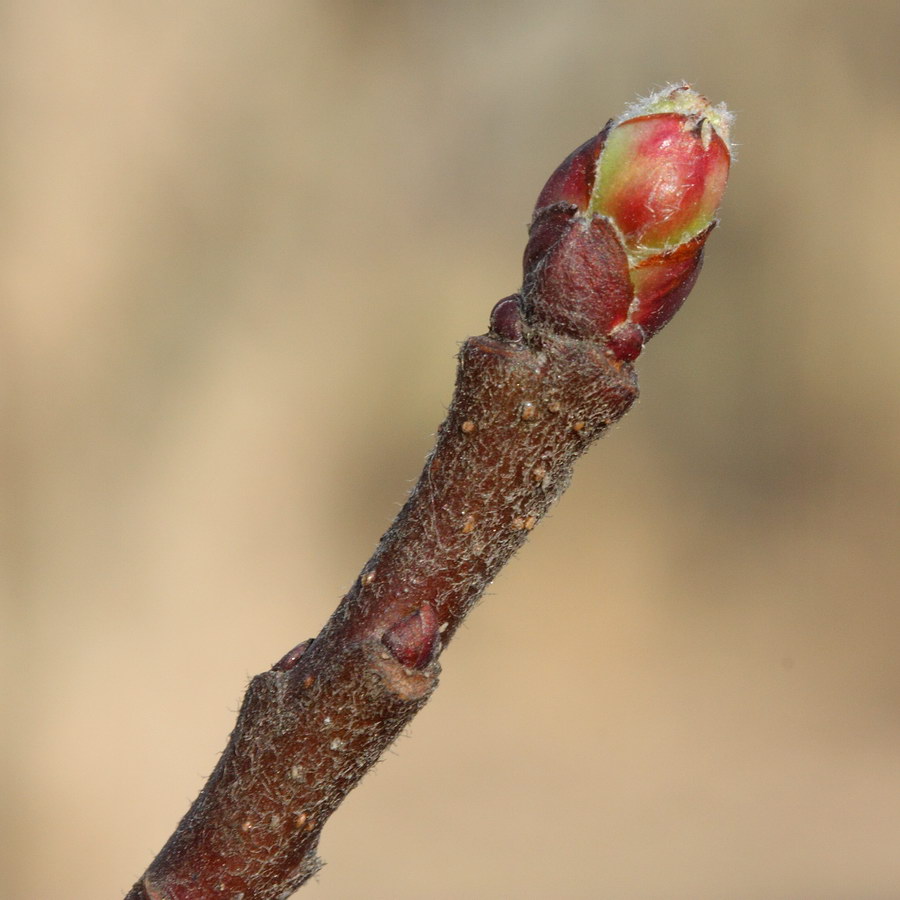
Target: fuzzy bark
{"x":527,"y":404}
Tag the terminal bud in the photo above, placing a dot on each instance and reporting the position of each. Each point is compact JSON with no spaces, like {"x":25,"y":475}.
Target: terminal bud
{"x":617,"y":237}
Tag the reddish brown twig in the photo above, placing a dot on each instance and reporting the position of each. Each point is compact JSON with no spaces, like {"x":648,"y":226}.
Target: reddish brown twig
{"x":531,"y":396}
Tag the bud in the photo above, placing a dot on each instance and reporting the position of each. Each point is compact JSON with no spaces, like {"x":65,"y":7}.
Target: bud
{"x":617,"y":237}
{"x":414,"y":640}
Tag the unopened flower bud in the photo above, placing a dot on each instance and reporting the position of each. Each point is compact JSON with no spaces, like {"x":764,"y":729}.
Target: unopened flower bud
{"x":618,"y":232}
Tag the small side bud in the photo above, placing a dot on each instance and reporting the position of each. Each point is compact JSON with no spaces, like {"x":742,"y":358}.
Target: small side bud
{"x":413,"y":641}
{"x":506,"y":319}
{"x":292,"y":657}
{"x":617,"y":237}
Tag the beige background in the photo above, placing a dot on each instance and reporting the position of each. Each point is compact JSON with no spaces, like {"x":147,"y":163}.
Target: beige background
{"x":240,"y":245}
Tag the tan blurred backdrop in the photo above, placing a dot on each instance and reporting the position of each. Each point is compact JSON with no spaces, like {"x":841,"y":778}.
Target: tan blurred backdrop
{"x":241,"y":243}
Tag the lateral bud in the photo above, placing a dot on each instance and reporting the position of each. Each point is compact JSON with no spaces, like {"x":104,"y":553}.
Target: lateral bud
{"x":292,"y":657}
{"x":413,"y":641}
{"x":506,"y":318}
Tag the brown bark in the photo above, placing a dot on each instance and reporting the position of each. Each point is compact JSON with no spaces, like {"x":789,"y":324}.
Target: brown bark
{"x":523,"y":411}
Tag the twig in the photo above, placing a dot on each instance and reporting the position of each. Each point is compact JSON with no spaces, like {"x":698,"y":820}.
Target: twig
{"x":531,"y":396}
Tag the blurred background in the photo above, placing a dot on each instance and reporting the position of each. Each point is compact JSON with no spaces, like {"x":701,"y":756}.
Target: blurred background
{"x":240,"y":246}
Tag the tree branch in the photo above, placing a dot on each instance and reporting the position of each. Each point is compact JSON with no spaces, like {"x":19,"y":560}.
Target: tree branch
{"x":548,"y":379}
